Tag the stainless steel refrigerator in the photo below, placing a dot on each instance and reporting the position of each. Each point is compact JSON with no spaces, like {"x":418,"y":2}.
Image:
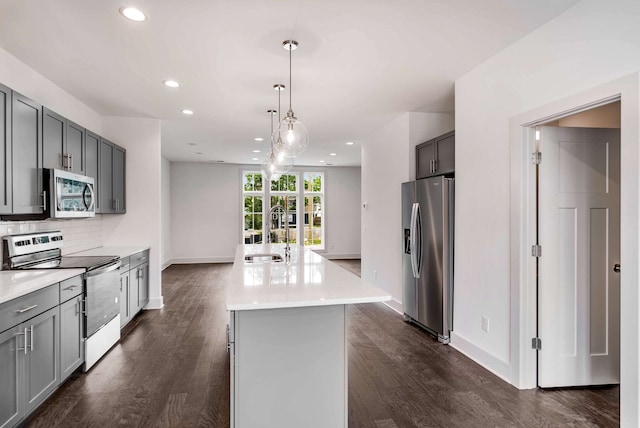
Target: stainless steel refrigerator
{"x":427,"y":259}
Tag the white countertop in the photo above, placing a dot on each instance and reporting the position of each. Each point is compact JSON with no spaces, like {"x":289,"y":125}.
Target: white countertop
{"x":111,"y":251}
{"x":17,"y":283}
{"x":309,"y":280}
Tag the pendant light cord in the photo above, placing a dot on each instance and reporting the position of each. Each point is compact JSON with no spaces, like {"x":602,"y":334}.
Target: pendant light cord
{"x":290,"y":86}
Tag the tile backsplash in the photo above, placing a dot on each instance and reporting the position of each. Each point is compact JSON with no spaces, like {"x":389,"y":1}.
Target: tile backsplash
{"x":81,"y":234}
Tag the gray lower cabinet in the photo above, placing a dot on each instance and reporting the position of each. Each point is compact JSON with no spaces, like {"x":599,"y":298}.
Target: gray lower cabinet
{"x":29,"y":369}
{"x":134,"y":285}
{"x":71,"y":336}
{"x":125,"y":299}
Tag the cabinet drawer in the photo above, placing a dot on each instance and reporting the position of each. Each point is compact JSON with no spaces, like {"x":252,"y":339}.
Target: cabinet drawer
{"x":19,"y":310}
{"x":70,"y":288}
{"x":138,"y":258}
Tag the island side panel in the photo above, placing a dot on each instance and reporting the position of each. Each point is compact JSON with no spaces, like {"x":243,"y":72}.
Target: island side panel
{"x":291,"y":368}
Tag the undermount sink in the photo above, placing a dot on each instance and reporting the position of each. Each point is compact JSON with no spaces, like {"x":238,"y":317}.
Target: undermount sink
{"x":263,"y":258}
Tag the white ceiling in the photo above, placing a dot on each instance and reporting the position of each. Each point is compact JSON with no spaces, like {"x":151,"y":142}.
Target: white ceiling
{"x":360,"y":62}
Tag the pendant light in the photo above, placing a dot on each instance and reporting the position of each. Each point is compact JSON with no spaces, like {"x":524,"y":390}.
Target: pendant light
{"x":292,"y":136}
{"x":275,"y":164}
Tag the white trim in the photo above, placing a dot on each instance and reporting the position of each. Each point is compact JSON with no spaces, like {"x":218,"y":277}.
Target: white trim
{"x":338,"y":256}
{"x":165,"y":265}
{"x":395,"y":305}
{"x":154,"y":303}
{"x":197,"y":260}
{"x":495,"y":365}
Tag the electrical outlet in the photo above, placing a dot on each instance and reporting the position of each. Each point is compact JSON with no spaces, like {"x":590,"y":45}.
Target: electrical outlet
{"x":485,"y":324}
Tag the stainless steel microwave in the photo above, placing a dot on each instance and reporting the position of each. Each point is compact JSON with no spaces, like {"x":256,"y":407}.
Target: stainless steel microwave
{"x":69,"y":195}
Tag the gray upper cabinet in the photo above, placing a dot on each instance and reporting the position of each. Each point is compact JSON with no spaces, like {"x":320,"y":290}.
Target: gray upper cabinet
{"x":63,"y":143}
{"x":92,"y":150}
{"x":436,"y":156}
{"x":5,"y":152}
{"x":105,"y":182}
{"x":119,"y":179}
{"x":75,"y":148}
{"x":54,"y":131}
{"x":112,"y":181}
{"x":26,"y":148}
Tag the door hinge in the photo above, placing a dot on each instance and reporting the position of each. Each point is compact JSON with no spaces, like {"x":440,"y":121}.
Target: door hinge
{"x":536,"y":343}
{"x":536,"y":250}
{"x":536,"y":158}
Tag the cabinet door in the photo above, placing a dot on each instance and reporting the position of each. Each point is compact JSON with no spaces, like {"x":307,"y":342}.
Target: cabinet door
{"x":11,"y":344}
{"x":105,"y":182}
{"x":75,"y":148}
{"x":5,"y":152}
{"x":143,"y":285}
{"x":92,"y":150}
{"x":446,"y":152}
{"x":54,"y":131}
{"x":26,"y":124}
{"x":119,"y":179}
{"x":71,"y":337}
{"x":42,"y":368}
{"x":134,"y":292}
{"x":425,"y":159}
{"x":125,"y":310}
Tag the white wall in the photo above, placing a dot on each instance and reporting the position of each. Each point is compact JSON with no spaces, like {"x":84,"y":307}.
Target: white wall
{"x":388,"y":160}
{"x":166,"y":213}
{"x":141,"y":225}
{"x":23,"y":79}
{"x":206,"y":211}
{"x":591,"y":44}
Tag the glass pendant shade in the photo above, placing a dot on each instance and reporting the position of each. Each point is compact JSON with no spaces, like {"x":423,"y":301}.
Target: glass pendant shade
{"x":274,"y":166}
{"x":291,"y":138}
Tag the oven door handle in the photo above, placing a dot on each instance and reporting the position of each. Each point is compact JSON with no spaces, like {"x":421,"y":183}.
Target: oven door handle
{"x":105,"y":269}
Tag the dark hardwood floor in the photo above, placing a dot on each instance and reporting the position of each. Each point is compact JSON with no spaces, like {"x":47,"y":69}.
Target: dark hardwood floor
{"x":171,"y":370}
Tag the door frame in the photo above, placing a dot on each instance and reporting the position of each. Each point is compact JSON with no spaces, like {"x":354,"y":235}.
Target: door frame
{"x":523,"y":318}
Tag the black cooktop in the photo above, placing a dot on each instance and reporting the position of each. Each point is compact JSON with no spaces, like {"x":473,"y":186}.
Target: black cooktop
{"x":74,"y":262}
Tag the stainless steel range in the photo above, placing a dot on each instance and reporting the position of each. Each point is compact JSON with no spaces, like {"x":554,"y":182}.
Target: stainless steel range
{"x":101,"y":284}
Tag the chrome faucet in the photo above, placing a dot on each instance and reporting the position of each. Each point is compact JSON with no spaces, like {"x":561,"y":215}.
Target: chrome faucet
{"x":287,"y":249}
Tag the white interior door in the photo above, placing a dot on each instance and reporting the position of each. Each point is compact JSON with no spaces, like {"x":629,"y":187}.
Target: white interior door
{"x":579,"y":231}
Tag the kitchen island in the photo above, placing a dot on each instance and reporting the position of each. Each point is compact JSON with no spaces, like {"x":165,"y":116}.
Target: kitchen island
{"x":288,"y":338}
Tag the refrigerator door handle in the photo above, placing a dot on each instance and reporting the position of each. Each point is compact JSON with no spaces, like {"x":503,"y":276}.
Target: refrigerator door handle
{"x":412,"y":239}
{"x":418,"y":256}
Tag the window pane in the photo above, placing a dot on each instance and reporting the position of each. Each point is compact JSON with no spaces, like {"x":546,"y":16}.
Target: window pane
{"x":248,"y":182}
{"x":257,"y":182}
{"x":292,"y":183}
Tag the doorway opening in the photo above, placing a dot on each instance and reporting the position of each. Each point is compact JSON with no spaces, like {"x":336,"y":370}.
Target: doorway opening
{"x":577,"y":227}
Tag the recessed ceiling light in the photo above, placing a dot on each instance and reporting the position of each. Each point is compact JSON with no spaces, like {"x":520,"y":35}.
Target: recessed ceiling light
{"x":349,"y":143}
{"x":333,"y":154}
{"x":321,"y":161}
{"x":256,"y":151}
{"x":171,"y":83}
{"x":187,"y":112}
{"x":258,"y":139}
{"x":132,"y":13}
{"x":254,"y":159}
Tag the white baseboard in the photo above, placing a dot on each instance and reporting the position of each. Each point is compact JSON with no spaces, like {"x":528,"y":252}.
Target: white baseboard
{"x":395,"y":305}
{"x":495,"y":365}
{"x":197,"y":260}
{"x":335,"y":256}
{"x":165,"y":265}
{"x":155,"y":303}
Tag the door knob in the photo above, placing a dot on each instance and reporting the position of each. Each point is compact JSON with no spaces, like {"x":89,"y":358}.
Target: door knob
{"x":616,"y":268}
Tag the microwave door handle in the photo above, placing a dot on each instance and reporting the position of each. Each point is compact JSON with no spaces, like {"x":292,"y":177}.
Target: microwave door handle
{"x":93,"y":197}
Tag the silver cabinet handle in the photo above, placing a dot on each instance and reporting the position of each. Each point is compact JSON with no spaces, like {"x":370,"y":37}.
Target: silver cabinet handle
{"x":71,"y":287}
{"x":28,"y":308}
{"x":25,"y":341}
{"x":70,"y":161}
{"x":616,"y":268}
{"x":435,"y":165}
{"x":31,"y":340}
